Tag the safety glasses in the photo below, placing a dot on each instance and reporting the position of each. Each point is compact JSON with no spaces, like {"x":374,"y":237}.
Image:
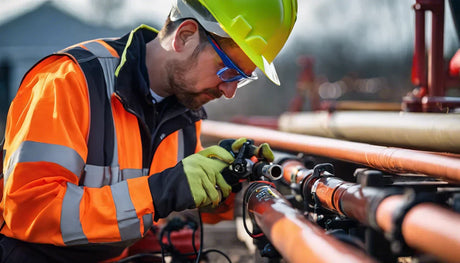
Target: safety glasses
{"x":230,"y":72}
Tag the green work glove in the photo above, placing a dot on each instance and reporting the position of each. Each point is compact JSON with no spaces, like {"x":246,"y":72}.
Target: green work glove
{"x":262,"y":151}
{"x":203,"y":172}
{"x":196,"y":181}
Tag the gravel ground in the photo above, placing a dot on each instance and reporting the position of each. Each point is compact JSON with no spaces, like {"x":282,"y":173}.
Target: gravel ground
{"x":223,"y":237}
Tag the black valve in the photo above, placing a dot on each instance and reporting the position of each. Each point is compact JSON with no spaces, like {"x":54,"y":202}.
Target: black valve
{"x":243,"y":168}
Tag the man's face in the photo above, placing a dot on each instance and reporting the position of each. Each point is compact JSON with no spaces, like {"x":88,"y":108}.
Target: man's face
{"x":194,"y":80}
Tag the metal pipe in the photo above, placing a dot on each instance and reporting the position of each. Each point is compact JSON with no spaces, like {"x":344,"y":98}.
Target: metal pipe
{"x":426,"y":227}
{"x":342,"y":197}
{"x":389,"y":159}
{"x":296,"y":238}
{"x":345,"y":198}
{"x":423,"y":131}
{"x":294,"y":171}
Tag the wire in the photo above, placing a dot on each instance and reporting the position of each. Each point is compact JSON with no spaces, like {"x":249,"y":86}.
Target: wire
{"x":202,"y":252}
{"x":200,"y":222}
{"x":169,"y":249}
{"x":244,"y":206}
{"x":193,"y":242}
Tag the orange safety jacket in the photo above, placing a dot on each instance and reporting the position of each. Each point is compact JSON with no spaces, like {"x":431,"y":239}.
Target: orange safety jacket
{"x":81,"y":140}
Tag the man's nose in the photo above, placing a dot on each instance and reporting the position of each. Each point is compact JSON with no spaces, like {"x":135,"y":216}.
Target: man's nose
{"x":228,"y":88}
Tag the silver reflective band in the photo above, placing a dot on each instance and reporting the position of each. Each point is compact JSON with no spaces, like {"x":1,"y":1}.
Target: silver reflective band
{"x":128,"y":222}
{"x":180,"y":148}
{"x":99,"y":176}
{"x":148,"y":222}
{"x":30,"y":151}
{"x":71,"y":229}
{"x":108,"y":62}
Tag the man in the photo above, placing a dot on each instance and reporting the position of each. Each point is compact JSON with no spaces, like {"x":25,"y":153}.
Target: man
{"x":103,"y":138}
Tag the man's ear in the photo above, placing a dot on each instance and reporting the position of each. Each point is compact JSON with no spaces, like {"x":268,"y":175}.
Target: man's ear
{"x":186,"y":34}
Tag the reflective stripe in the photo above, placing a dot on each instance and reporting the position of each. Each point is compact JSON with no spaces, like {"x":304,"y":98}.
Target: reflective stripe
{"x":128,"y":222}
{"x":148,"y":222}
{"x":180,"y":145}
{"x":133,"y":173}
{"x":30,"y":151}
{"x":98,"y":176}
{"x":71,"y":229}
{"x":108,"y":63}
{"x":97,"y":49}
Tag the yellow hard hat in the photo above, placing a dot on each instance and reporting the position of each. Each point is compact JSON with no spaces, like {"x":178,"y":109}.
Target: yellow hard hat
{"x":259,"y":27}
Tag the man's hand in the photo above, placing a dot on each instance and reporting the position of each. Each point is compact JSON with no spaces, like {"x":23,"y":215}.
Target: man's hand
{"x":194,"y":182}
{"x":243,"y":148}
{"x":262,"y":151}
{"x":203,"y":171}
{"x":197,"y":180}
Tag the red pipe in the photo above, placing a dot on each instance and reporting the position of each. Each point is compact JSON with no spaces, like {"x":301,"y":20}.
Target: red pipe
{"x":296,"y":238}
{"x":391,"y":159}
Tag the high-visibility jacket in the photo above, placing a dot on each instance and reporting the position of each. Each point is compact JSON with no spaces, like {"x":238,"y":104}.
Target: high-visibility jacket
{"x":82,"y":138}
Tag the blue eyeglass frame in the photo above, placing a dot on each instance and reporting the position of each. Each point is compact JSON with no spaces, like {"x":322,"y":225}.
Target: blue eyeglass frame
{"x":229,"y":64}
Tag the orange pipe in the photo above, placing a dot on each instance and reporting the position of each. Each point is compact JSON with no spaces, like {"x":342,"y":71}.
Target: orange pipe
{"x":335,"y":194}
{"x":296,"y":238}
{"x":294,"y":171}
{"x":426,"y":227}
{"x":391,"y":159}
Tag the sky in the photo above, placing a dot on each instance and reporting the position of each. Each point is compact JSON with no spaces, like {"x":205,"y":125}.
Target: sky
{"x":136,"y":8}
{"x":339,"y":33}
{"x":367,"y":26}
{"x":337,"y":17}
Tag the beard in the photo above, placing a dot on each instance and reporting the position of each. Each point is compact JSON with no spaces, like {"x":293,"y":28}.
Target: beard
{"x":181,"y":88}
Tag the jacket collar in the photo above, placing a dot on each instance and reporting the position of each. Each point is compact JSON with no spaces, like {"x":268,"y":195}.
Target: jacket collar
{"x":131,"y":77}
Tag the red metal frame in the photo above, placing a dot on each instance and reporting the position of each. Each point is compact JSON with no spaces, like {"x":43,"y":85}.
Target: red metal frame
{"x":429,"y":96}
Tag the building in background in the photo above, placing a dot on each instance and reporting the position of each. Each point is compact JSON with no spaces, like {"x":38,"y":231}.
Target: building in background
{"x":29,"y":36}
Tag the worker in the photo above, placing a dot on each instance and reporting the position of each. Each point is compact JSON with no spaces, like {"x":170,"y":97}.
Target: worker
{"x":103,"y":137}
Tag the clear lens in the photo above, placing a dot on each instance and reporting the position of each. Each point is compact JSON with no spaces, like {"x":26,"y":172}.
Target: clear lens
{"x":229,"y":74}
{"x":245,"y":81}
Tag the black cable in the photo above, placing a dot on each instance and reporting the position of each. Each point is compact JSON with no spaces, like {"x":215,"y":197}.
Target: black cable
{"x":245,"y":204}
{"x":193,"y":242}
{"x":200,"y":222}
{"x":202,"y":252}
{"x":176,"y":225}
{"x":162,"y":246}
